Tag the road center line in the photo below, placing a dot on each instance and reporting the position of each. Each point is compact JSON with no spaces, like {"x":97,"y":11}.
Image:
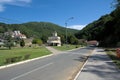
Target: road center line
{"x":31,"y":71}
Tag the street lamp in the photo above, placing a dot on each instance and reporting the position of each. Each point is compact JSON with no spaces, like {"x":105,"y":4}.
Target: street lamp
{"x":66,"y":24}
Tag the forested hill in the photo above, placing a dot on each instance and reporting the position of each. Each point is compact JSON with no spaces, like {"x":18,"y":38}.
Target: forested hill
{"x":106,"y":29}
{"x":36,"y":29}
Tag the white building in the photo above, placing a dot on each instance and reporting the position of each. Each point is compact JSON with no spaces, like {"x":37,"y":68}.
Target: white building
{"x":18,"y":34}
{"x":54,"y":40}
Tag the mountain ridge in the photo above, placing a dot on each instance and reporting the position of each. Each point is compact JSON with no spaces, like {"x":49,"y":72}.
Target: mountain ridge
{"x":37,"y":29}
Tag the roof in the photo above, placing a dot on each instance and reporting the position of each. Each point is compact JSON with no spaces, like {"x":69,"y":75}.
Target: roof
{"x":92,"y":42}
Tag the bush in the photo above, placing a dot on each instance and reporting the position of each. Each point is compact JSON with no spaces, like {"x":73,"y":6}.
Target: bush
{"x":8,"y":60}
{"x":27,"y":56}
{"x":37,"y":41}
{"x":13,"y":59}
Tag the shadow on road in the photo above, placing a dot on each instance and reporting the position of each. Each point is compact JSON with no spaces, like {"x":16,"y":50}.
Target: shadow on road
{"x":82,"y":58}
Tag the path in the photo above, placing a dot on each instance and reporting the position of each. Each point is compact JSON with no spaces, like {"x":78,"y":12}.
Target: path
{"x":99,"y":67}
{"x":54,"y":51}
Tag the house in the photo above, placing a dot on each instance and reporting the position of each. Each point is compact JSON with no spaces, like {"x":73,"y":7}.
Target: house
{"x":93,"y":43}
{"x":54,"y":40}
{"x":28,"y":41}
{"x":18,"y":34}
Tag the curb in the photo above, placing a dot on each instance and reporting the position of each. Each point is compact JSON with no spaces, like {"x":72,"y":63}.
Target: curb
{"x":10,"y":65}
{"x":83,"y":65}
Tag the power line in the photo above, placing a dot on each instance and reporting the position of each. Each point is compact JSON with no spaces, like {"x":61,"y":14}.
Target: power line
{"x":9,"y":20}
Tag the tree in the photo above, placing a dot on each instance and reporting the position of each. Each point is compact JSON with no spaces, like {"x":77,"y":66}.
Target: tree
{"x":22,"y":43}
{"x":8,"y":44}
{"x":44,"y":38}
{"x":63,"y":40}
{"x":72,"y":39}
{"x":8,"y":41}
{"x":37,"y":41}
{"x":34,"y":41}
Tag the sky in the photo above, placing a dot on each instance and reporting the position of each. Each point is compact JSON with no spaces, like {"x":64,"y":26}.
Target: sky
{"x":76,"y":13}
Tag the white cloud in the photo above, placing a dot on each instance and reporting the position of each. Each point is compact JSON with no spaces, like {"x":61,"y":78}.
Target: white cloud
{"x":2,"y":8}
{"x":78,"y":27}
{"x":27,"y":1}
{"x":4,"y":1}
{"x":13,"y":2}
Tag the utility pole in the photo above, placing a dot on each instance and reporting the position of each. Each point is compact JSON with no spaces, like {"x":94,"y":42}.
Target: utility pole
{"x":66,"y":25}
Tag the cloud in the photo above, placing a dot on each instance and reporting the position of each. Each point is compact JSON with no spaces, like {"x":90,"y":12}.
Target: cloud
{"x":27,"y":1}
{"x":78,"y":27}
{"x":2,"y":8}
{"x":3,"y":3}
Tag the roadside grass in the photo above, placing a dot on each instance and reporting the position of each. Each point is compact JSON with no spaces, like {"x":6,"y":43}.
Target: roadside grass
{"x":66,"y":47}
{"x":16,"y":52}
{"x":113,"y":56}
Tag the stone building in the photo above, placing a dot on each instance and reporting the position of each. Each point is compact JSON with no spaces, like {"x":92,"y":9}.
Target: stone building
{"x":54,"y":40}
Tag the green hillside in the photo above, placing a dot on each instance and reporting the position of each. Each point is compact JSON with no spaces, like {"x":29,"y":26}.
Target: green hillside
{"x":106,"y":29}
{"x":36,"y":29}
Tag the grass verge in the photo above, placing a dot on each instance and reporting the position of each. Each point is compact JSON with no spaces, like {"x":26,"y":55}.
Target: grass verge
{"x":113,"y":56}
{"x":66,"y":47}
{"x":16,"y":52}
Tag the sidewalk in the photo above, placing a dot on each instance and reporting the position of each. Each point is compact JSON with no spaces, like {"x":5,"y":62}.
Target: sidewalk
{"x":54,"y":51}
{"x":99,"y":67}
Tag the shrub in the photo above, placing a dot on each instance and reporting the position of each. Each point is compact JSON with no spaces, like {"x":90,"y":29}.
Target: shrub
{"x":27,"y":56}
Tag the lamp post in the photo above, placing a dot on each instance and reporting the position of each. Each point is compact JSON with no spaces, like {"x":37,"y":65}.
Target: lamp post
{"x":66,"y":24}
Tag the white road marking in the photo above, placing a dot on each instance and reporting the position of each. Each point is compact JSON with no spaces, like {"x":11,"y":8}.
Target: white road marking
{"x":31,"y":71}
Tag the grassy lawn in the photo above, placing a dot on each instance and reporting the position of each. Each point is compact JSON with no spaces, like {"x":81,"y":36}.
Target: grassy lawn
{"x":113,"y":56}
{"x":66,"y":47}
{"x":16,"y":52}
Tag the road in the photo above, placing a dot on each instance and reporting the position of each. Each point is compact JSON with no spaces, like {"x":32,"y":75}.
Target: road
{"x":57,"y":67}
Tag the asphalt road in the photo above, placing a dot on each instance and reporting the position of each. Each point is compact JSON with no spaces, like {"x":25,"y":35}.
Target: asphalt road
{"x":57,"y":67}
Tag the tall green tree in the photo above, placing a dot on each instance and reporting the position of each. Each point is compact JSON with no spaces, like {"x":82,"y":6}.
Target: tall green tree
{"x":63,"y":39}
{"x":44,"y":38}
{"x":34,"y":41}
{"x":72,"y":40}
{"x":8,"y":41}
